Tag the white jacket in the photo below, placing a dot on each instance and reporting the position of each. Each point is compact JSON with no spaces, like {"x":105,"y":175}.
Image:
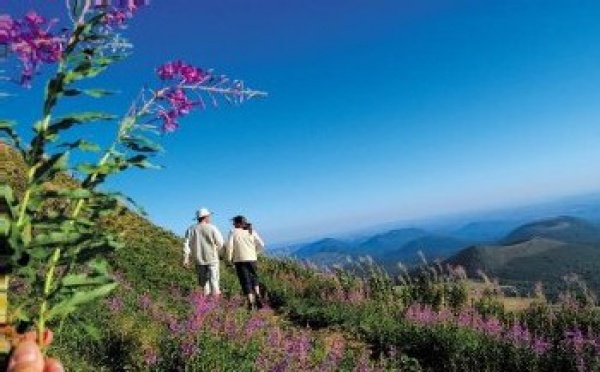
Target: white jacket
{"x":204,"y":241}
{"x":242,"y":246}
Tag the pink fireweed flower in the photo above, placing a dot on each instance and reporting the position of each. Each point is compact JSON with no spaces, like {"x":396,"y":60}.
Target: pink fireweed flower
{"x":575,"y":339}
{"x":116,"y":16}
{"x":8,"y":29}
{"x":115,"y":304}
{"x":492,"y":326}
{"x":181,"y":81}
{"x":182,"y":72}
{"x":34,"y":19}
{"x":298,"y":347}
{"x":192,"y":75}
{"x":180,"y":103}
{"x":175,"y":326}
{"x":254,"y":323}
{"x":518,"y":334}
{"x":540,"y":346}
{"x":274,"y":337}
{"x":31,"y":40}
{"x":167,"y":71}
{"x":169,"y":119}
{"x":144,"y":301}
{"x":189,"y":349}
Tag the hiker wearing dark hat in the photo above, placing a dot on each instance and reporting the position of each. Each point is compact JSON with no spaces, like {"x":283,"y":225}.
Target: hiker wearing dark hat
{"x":243,"y":246}
{"x":205,"y":242}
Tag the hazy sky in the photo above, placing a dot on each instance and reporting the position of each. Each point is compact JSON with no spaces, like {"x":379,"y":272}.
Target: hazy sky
{"x":377,"y":110}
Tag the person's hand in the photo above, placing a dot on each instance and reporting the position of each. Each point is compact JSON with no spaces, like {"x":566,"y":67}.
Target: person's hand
{"x":27,"y":356}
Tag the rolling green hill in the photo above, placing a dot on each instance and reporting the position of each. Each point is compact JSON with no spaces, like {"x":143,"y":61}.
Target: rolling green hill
{"x":563,"y":228}
{"x":545,"y":251}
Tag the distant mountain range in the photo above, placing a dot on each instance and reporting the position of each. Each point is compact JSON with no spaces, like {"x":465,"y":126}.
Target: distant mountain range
{"x":388,"y":248}
{"x":520,"y":253}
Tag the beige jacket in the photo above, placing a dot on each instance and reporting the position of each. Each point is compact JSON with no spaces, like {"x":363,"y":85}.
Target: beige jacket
{"x":204,"y":241}
{"x":242,"y":246}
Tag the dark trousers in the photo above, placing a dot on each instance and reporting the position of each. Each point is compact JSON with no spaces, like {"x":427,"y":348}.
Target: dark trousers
{"x":246,"y":272}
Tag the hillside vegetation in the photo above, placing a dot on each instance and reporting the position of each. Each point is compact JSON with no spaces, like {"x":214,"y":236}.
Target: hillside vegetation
{"x":318,"y":319}
{"x":547,"y":250}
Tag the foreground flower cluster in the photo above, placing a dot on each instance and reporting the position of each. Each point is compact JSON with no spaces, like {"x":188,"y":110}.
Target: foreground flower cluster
{"x":32,"y":40}
{"x":210,"y":327}
{"x":516,"y":334}
{"x":187,"y":87}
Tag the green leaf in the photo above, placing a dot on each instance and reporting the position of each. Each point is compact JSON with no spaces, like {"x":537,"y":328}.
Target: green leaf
{"x":40,"y":253}
{"x":83,"y":280}
{"x":21,"y":315}
{"x":99,"y":265}
{"x":88,"y":68}
{"x":54,"y":90}
{"x":141,"y":161}
{"x":93,"y":332}
{"x":98,"y":93}
{"x":94,"y":93}
{"x":6,"y":193}
{"x":56,"y":238}
{"x":72,"y":92}
{"x":141,"y":144}
{"x":76,"y":119}
{"x":7,"y":127}
{"x":5,"y":226}
{"x":70,"y":304}
{"x":71,"y":194}
{"x":50,"y":167}
{"x":138,"y":208}
{"x":83,"y":145}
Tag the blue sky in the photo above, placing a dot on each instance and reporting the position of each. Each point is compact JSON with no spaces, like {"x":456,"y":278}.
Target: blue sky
{"x":377,"y":110}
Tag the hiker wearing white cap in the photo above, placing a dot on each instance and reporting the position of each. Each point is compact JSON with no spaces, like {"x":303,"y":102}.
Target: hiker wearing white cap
{"x":205,"y":242}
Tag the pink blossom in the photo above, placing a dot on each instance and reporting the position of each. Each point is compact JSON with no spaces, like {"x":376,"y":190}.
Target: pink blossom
{"x":8,"y":29}
{"x":31,"y":41}
{"x":180,"y":103}
{"x":191,"y":74}
{"x":115,"y":304}
{"x":169,"y":118}
{"x":182,"y":72}
{"x":541,"y":346}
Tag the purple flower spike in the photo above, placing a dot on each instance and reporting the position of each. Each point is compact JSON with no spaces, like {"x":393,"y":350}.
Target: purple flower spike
{"x":31,"y":41}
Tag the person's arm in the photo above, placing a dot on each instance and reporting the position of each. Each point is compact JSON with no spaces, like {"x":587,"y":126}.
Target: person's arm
{"x":229,"y":247}
{"x":258,"y":242}
{"x":218,"y":238}
{"x":186,"y":248}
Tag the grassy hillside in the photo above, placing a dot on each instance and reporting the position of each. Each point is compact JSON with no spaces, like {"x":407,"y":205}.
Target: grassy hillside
{"x":317,"y":320}
{"x":546,"y":251}
{"x":564,"y":228}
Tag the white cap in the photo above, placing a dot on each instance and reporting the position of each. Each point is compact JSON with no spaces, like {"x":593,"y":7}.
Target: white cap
{"x":203,"y":212}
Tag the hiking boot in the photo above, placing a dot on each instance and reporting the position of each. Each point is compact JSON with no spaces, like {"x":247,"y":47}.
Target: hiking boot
{"x":259,"y":303}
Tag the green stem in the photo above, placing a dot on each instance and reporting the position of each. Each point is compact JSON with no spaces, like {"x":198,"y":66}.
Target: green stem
{"x":48,"y":281}
{"x":32,"y":170}
{"x":103,"y":160}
